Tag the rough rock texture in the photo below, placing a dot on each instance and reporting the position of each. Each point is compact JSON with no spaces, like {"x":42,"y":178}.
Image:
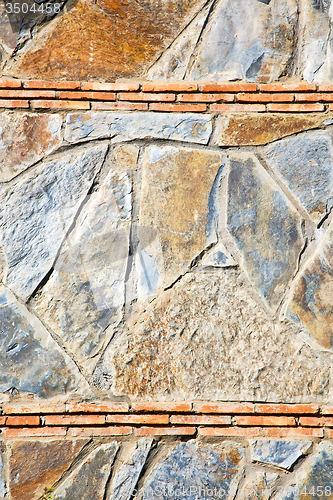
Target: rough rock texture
{"x":3,"y":486}
{"x":280,"y":453}
{"x":259,"y":486}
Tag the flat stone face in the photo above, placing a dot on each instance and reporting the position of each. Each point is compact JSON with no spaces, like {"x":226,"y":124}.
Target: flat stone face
{"x":218,"y":257}
{"x":258,"y":213}
{"x":305,"y":163}
{"x":88,"y":481}
{"x":241,"y":129}
{"x":3,"y":488}
{"x":25,"y":139}
{"x":85,"y":293}
{"x":193,"y":468}
{"x":47,"y":462}
{"x":206,"y":338}
{"x":38,"y":210}
{"x":128,"y":126}
{"x":176,"y":187}
{"x":280,"y":453}
{"x":30,"y":359}
{"x":259,"y":486}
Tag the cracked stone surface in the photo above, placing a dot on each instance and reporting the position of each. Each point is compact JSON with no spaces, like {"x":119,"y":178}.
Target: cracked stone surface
{"x":259,"y":486}
{"x":280,"y":453}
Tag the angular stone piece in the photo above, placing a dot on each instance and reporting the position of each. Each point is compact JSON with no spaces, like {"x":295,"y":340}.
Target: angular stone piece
{"x":241,"y":129}
{"x":3,"y":487}
{"x":25,"y":139}
{"x":194,"y":467}
{"x":258,"y":212}
{"x":305,"y":163}
{"x":129,"y":126}
{"x":85,"y":293}
{"x":126,"y":156}
{"x":258,"y":486}
{"x":176,"y":188}
{"x":280,"y":453}
{"x":127,"y":477}
{"x":37,"y":211}
{"x":47,"y":461}
{"x":256,"y":49}
{"x":218,"y":257}
{"x":88,"y":481}
{"x":30,"y":359}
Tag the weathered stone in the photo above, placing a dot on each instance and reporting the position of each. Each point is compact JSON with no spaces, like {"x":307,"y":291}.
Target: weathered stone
{"x":38,"y":210}
{"x":305,"y":163}
{"x":176,"y":187}
{"x":258,"y":213}
{"x":243,"y":129}
{"x":218,"y":257}
{"x":149,"y":269}
{"x":25,"y":139}
{"x":129,"y":126}
{"x":88,"y":481}
{"x":125,"y":480}
{"x":85,"y":293}
{"x":47,"y":462}
{"x":195,"y":470}
{"x":3,"y":486}
{"x":30,"y":359}
{"x":280,"y":453}
{"x":258,"y":486}
{"x":246,"y":40}
{"x":9,"y":29}
{"x":206,"y":338}
{"x":126,"y":156}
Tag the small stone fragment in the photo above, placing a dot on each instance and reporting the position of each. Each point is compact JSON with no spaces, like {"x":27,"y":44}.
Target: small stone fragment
{"x":218,"y":257}
{"x":280,"y":453}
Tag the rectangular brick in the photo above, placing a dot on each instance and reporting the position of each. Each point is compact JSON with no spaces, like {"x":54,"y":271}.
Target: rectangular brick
{"x":35,"y":431}
{"x":330,"y":433}
{"x":74,"y":419}
{"x":206,"y":97}
{"x":161,"y":407}
{"x":138,"y":419}
{"x":34,"y":408}
{"x":265,"y":98}
{"x":325,"y":87}
{"x":238,"y":108}
{"x":111,"y":87}
{"x":200,"y":420}
{"x":294,"y":409}
{"x":169,"y":87}
{"x":61,"y":104}
{"x":98,"y":408}
{"x":180,"y":108}
{"x":14,"y":104}
{"x":229,"y":431}
{"x":44,"y":84}
{"x":264,"y":421}
{"x":142,"y":96}
{"x":327,"y":410}
{"x":292,"y":431}
{"x":228,"y":408}
{"x":2,"y":420}
{"x":165,"y":431}
{"x":287,"y":87}
{"x":228,"y":87}
{"x":10,"y":83}
{"x":102,"y":431}
{"x":314,"y":97}
{"x":23,"y":420}
{"x":312,"y":421}
{"x":93,"y":96}
{"x":295,"y":108}
{"x":26,"y":94}
{"x":123,"y":106}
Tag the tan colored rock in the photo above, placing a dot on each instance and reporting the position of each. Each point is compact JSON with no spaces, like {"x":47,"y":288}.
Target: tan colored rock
{"x":126,"y":156}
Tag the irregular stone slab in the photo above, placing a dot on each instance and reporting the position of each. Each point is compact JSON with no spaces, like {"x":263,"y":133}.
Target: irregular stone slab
{"x":258,"y":212}
{"x":241,"y":129}
{"x":218,"y":257}
{"x":128,"y":475}
{"x":126,"y":156}
{"x":85,"y":293}
{"x":25,"y":139}
{"x":88,"y":481}
{"x":3,"y":488}
{"x":256,"y":49}
{"x":129,"y":126}
{"x":259,"y":486}
{"x":176,"y":187}
{"x":280,"y":453}
{"x":37,"y":211}
{"x":30,"y":359}
{"x":206,"y":338}
{"x":194,"y":469}
{"x":47,"y":462}
{"x":305,"y":163}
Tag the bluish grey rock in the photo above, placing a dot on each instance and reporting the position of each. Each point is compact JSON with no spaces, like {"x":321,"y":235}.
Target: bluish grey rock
{"x":280,"y":453}
{"x":130,"y":126}
{"x":218,"y":257}
{"x":305,"y":163}
{"x":30,"y":360}
{"x":258,"y":213}
{"x":37,"y":211}
{"x":149,"y":277}
{"x":195,"y":470}
{"x":3,"y":488}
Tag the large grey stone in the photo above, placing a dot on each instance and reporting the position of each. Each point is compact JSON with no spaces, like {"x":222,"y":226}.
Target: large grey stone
{"x":195,"y":470}
{"x":265,"y":226}
{"x":258,"y":486}
{"x":280,"y":453}
{"x":88,"y":481}
{"x":129,"y":126}
{"x":30,"y":360}
{"x":37,"y":211}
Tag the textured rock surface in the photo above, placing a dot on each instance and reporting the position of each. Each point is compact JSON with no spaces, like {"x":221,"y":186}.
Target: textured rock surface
{"x":38,"y":210}
{"x":218,"y":257}
{"x":3,"y":487}
{"x":280,"y":453}
{"x":126,"y":127}
{"x":259,"y":486}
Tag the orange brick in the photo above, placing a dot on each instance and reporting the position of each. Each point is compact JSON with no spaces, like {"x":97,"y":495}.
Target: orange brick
{"x":169,"y":87}
{"x":74,"y":419}
{"x":238,"y":108}
{"x":287,"y":87}
{"x":295,"y":108}
{"x":228,"y":87}
{"x":14,"y":104}
{"x":330,"y":433}
{"x":200,"y":420}
{"x":229,"y":431}
{"x":61,"y":104}
{"x":161,"y":407}
{"x":259,"y":420}
{"x":323,"y":87}
{"x":206,"y":97}
{"x":98,"y":408}
{"x":35,"y":431}
{"x":111,"y":87}
{"x":124,"y":106}
{"x":101,"y":431}
{"x":20,"y":421}
{"x":292,"y":431}
{"x":314,"y":97}
{"x":312,"y":421}
{"x":228,"y":408}
{"x":165,"y":431}
{"x":180,"y":108}
{"x":265,"y":97}
{"x":327,"y":410}
{"x":43,"y":84}
{"x":97,"y":96}
{"x":34,"y":408}
{"x":10,"y":83}
{"x":138,"y":419}
{"x":294,"y":409}
{"x":142,"y":96}
{"x":328,"y":422}
{"x":2,"y":420}
{"x":26,"y":94}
